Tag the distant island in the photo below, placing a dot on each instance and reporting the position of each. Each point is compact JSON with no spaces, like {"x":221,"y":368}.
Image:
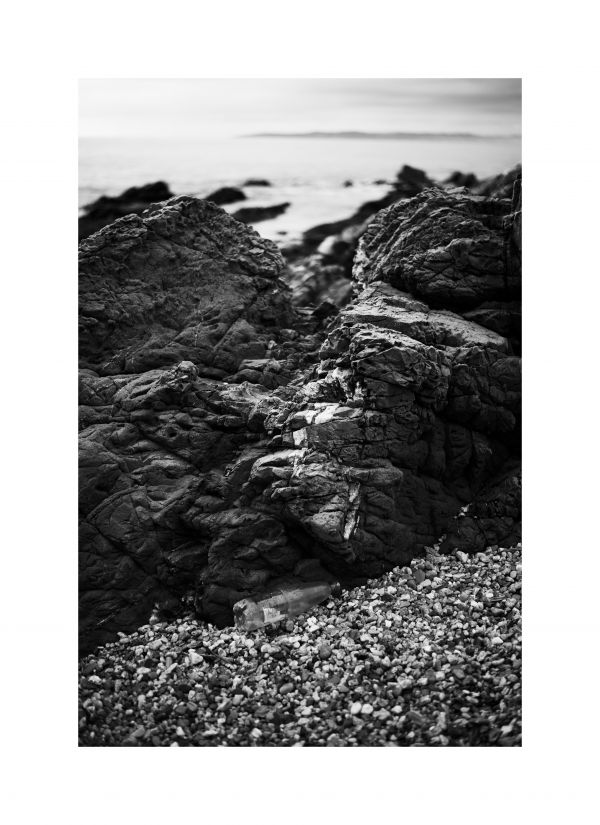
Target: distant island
{"x":381,"y":135}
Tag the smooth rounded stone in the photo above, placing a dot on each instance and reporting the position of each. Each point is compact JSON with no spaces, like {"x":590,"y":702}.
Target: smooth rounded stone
{"x":355,"y":708}
{"x":325,"y":651}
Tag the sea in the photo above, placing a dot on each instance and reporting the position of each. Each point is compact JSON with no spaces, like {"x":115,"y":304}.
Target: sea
{"x":310,"y":173}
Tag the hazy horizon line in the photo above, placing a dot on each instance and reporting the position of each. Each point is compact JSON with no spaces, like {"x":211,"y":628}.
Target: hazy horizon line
{"x":343,"y":135}
{"x":355,"y":134}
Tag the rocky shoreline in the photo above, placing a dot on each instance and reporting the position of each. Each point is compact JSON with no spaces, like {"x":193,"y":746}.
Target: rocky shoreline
{"x":427,"y":655}
{"x":254,"y":417}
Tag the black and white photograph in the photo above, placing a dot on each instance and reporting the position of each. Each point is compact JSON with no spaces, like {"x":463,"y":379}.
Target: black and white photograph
{"x":300,"y":412}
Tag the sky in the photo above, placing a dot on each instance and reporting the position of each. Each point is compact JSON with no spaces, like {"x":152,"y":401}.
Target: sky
{"x":227,"y":108}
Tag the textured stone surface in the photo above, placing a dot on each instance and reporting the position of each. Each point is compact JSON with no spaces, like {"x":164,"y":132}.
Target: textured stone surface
{"x":134,"y":200}
{"x":184,"y":281}
{"x":493,"y":518}
{"x":405,"y":418}
{"x":231,"y":442}
{"x":450,"y":249}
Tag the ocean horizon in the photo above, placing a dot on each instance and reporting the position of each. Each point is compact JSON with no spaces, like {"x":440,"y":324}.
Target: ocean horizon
{"x":308,"y":173}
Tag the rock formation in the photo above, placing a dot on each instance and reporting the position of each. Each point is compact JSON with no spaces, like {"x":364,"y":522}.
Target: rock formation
{"x":106,"y":209}
{"x":256,"y":214}
{"x":226,"y":195}
{"x":467,"y":179}
{"x":233,"y":439}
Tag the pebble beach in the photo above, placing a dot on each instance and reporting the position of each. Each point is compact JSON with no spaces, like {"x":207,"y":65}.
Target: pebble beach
{"x":427,"y":655}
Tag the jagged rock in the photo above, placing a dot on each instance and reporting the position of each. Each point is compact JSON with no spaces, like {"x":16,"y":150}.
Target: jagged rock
{"x":256,"y":214}
{"x":231,"y":443}
{"x":185,"y":281}
{"x":226,"y":195}
{"x":502,"y":317}
{"x":452,"y":250}
{"x":411,"y":410}
{"x":500,"y":186}
{"x":312,"y":280}
{"x":132,"y":201}
{"x":493,"y":518}
{"x":168,"y":301}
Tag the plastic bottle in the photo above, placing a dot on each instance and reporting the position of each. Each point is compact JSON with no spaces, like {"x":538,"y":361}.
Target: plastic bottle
{"x":281,"y":604}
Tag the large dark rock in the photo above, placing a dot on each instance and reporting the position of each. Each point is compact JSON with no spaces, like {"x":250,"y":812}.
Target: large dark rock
{"x":408,"y":413}
{"x":492,"y":518}
{"x":500,"y":186}
{"x":449,"y":249}
{"x":132,"y":201}
{"x":231,"y":443}
{"x":183,"y":282}
{"x":256,"y":214}
{"x":226,"y":195}
{"x":467,"y":179}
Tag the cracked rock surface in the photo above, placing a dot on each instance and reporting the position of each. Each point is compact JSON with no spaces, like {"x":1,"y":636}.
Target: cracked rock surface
{"x":232,"y":439}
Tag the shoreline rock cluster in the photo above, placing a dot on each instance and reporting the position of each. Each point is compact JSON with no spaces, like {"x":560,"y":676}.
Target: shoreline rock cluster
{"x":250,"y":420}
{"x":135,"y":200}
{"x":427,"y":655}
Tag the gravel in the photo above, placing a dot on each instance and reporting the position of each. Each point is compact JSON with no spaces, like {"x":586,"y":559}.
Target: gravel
{"x":427,"y":655}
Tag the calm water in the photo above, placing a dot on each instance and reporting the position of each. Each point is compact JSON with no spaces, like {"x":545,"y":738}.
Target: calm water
{"x":308,"y":173}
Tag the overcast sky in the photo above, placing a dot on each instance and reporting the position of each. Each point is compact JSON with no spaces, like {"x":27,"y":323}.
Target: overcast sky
{"x":224,"y":108}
